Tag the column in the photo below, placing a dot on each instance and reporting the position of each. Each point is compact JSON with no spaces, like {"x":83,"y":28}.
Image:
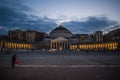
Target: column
{"x":66,"y":45}
{"x":15,"y":45}
{"x":63,"y":45}
{"x":51,"y":45}
{"x":55,"y":45}
{"x":59,"y":45}
{"x":69,"y":45}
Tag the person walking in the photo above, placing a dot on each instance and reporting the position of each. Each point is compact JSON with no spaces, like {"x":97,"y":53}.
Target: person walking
{"x":14,"y":61}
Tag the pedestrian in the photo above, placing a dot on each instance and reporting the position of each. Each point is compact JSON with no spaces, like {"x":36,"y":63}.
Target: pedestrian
{"x":14,"y":61}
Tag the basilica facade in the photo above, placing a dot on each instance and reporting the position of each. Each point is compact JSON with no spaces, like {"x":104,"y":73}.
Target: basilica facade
{"x":60,"y":38}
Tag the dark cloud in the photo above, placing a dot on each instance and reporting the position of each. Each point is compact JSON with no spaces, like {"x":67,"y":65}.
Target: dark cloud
{"x":11,"y":9}
{"x":90,"y":25}
{"x":13,"y":15}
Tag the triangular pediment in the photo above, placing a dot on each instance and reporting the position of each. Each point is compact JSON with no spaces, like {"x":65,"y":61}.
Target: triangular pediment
{"x":60,"y":39}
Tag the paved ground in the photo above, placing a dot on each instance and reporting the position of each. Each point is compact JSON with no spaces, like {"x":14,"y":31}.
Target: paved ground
{"x":64,"y":73}
{"x":78,"y":66}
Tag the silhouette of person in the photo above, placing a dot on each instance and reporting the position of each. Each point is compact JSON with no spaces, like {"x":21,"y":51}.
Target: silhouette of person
{"x":13,"y":60}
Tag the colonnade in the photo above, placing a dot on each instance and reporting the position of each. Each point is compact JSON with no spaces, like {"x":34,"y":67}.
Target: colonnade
{"x":60,"y":45}
{"x":13,"y":45}
{"x":96,"y":46}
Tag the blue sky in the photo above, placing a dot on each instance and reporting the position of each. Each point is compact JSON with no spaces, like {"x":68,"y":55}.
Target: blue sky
{"x":79,"y":16}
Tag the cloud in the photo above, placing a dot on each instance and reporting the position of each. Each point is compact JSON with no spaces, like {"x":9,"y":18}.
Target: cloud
{"x":91,"y":24}
{"x":13,"y":14}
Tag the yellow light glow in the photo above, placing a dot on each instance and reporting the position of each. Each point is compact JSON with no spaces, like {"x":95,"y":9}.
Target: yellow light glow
{"x":109,"y":46}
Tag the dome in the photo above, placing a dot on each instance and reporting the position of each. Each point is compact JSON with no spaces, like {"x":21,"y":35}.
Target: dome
{"x":60,"y":27}
{"x":60,"y":31}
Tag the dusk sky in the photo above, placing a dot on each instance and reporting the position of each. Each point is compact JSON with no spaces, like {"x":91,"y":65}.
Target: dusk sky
{"x":79,"y":16}
{"x":72,"y":9}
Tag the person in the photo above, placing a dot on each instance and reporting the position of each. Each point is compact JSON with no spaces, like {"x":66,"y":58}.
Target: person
{"x":14,"y":61}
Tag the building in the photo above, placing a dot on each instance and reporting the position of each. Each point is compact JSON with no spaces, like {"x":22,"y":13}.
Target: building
{"x":98,"y":36}
{"x":60,"y":38}
{"x":16,"y":35}
{"x":34,"y":36}
{"x":102,"y":46}
{"x":14,"y":45}
{"x":3,"y":37}
{"x":83,"y":38}
{"x":28,"y":36}
{"x":113,"y":35}
{"x":60,"y":31}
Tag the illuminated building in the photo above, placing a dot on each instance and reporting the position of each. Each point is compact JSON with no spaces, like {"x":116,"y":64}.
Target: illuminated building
{"x":96,"y":46}
{"x":15,"y":45}
{"x":60,"y":43}
{"x":60,"y":39}
{"x":60,"y":31}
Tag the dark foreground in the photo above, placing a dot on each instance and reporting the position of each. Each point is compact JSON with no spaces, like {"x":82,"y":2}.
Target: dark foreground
{"x":61,"y":73}
{"x":61,"y":66}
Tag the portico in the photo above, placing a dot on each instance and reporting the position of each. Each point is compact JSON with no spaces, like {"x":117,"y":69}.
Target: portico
{"x":60,"y":38}
{"x":60,"y":43}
